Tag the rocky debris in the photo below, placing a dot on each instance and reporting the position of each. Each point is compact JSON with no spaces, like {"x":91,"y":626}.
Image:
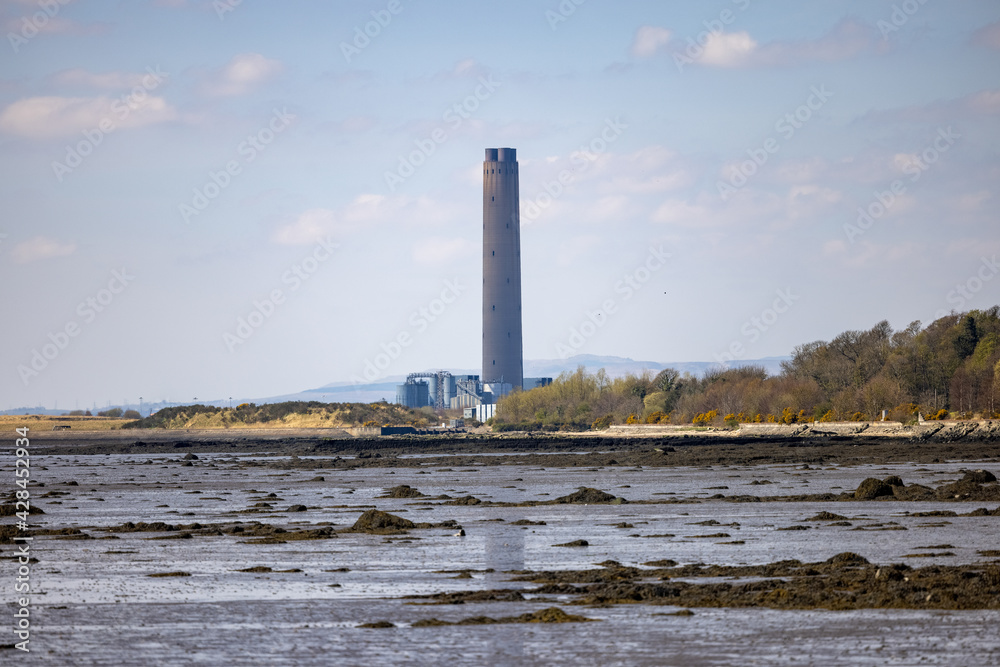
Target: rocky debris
{"x":62,"y":533}
{"x":847,"y":558}
{"x":527,"y":522}
{"x":894,"y":480}
{"x":574,"y":543}
{"x":588,"y":496}
{"x":872,"y":488}
{"x":169,"y":574}
{"x":913,"y":492}
{"x":143,"y":527}
{"x":461,"y":597}
{"x":402,"y":491}
{"x":378,"y":522}
{"x":549,"y":615}
{"x":297,"y":508}
{"x":378,"y":625}
{"x":974,"y":485}
{"x":979,"y":477}
{"x":846,"y":581}
{"x":190,"y":457}
{"x":827,"y":516}
{"x":467,"y":500}
{"x":10,"y":508}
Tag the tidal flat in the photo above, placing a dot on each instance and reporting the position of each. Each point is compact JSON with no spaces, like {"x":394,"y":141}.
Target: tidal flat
{"x":566,"y":557}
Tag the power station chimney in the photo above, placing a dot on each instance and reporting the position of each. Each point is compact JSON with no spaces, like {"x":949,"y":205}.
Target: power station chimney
{"x":502,"y":359}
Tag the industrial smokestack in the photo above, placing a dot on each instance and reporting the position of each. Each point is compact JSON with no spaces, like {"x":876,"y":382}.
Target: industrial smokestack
{"x":502,"y":357}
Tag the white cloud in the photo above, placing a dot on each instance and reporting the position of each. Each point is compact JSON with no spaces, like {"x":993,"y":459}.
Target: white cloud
{"x":50,"y":117}
{"x":41,"y":247}
{"x":648,"y":40}
{"x":241,"y":75}
{"x":728,"y":49}
{"x":738,"y":49}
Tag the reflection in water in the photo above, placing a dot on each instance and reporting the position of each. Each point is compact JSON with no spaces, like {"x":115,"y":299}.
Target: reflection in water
{"x":505,"y":551}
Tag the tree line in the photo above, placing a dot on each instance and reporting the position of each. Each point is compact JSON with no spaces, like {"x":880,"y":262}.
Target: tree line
{"x":948,"y":370}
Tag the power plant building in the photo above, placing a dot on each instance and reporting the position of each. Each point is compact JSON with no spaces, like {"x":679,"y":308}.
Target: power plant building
{"x":503,"y":363}
{"x":502,"y":353}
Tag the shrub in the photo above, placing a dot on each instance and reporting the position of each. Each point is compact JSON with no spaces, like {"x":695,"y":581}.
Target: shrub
{"x":706,"y":418}
{"x":602,"y":423}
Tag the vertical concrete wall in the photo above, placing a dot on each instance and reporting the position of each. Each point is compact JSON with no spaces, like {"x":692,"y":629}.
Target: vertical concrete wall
{"x":502,"y":354}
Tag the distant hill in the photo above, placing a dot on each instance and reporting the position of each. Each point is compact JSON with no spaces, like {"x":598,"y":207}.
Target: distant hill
{"x":614,"y":366}
{"x":385,"y":388}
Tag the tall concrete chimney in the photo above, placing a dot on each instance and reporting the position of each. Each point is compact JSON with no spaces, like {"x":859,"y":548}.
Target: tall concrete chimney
{"x":502,"y":358}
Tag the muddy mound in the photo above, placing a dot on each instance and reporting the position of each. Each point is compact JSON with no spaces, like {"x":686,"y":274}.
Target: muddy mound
{"x":827,"y":516}
{"x":847,"y":558}
{"x":979,"y":477}
{"x":872,"y":488}
{"x":379,"y":522}
{"x":550,"y":615}
{"x":589,"y":496}
{"x":402,"y":491}
{"x":913,"y":492}
{"x":467,"y":500}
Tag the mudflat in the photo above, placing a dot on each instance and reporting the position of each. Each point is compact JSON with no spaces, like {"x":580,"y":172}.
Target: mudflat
{"x":311,"y":548}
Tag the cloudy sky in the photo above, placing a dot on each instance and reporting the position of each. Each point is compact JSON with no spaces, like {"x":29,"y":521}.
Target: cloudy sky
{"x":231,"y":198}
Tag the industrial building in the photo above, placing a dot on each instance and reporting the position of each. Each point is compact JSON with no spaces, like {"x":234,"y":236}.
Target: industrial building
{"x":503,"y":363}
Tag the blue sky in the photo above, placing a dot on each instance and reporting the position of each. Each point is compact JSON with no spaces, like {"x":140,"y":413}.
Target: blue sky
{"x":227,"y":198}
